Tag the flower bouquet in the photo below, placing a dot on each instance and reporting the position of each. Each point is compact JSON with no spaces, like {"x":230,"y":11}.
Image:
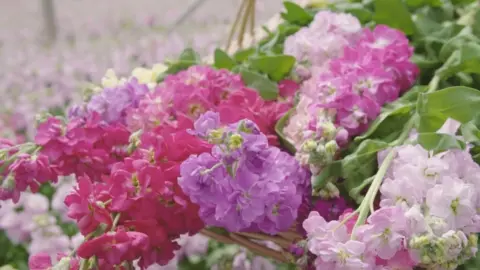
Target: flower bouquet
{"x":347,"y":138}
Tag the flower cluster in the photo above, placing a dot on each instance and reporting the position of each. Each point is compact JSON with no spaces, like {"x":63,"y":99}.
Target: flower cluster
{"x":183,"y":97}
{"x":341,"y":101}
{"x":323,"y":39}
{"x":428,"y":217}
{"x":125,"y":146}
{"x":243,"y":184}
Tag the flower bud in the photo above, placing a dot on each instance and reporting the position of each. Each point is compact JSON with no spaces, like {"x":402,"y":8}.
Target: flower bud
{"x":341,"y":137}
{"x":329,"y":130}
{"x":331,"y":148}
{"x":215,"y":136}
{"x":303,"y":72}
{"x":235,"y":141}
{"x":309,"y":146}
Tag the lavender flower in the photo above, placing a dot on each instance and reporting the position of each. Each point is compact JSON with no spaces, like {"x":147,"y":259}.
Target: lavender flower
{"x":244,"y":184}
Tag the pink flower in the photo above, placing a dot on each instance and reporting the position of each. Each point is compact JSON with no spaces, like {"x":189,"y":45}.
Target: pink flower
{"x":83,"y":206}
{"x":453,"y":201}
{"x":401,"y":261}
{"x":115,"y":247}
{"x":385,"y":233}
{"x":345,"y":256}
{"x":43,"y":261}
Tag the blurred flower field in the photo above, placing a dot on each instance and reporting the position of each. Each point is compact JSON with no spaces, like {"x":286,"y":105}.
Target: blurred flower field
{"x":94,"y":36}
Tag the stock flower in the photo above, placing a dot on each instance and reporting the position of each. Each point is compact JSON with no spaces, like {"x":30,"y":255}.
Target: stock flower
{"x":85,"y":206}
{"x":244,"y":183}
{"x":323,"y":39}
{"x":385,"y":234}
{"x":112,"y":103}
{"x":453,"y":201}
{"x":115,"y":247}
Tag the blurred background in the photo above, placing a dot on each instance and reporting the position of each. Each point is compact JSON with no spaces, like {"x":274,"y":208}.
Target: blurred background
{"x":50,"y":50}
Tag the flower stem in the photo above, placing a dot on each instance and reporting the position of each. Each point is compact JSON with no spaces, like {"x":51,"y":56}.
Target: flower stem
{"x":115,"y":221}
{"x":235,"y":24}
{"x":364,"y":209}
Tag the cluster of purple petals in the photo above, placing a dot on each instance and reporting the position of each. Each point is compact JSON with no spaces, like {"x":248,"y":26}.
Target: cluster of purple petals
{"x":243,"y":184}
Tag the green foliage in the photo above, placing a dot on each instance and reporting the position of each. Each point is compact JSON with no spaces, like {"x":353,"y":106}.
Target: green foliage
{"x":186,"y":59}
{"x":354,"y":168}
{"x":281,"y":123}
{"x":439,"y":142}
{"x":223,"y":60}
{"x":11,"y":254}
{"x":295,"y":14}
{"x":460,"y":103}
{"x":276,"y":67}
{"x":393,"y":116}
{"x":267,"y":89}
{"x":394,"y":13}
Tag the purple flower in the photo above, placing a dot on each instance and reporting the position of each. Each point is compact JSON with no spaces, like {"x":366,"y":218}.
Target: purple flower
{"x":386,"y":233}
{"x":112,"y":103}
{"x":199,"y":178}
{"x":245,"y":184}
{"x":206,"y":122}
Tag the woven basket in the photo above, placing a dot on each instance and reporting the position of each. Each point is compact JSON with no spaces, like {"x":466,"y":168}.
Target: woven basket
{"x":252,"y":241}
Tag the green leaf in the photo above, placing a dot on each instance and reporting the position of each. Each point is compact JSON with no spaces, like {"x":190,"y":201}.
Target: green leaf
{"x":47,"y":189}
{"x":419,"y":3}
{"x":7,"y":267}
{"x":423,"y":63}
{"x":459,"y":103}
{"x":387,"y":126}
{"x":279,"y":126}
{"x":12,"y":254}
{"x":218,"y":254}
{"x":438,"y":142}
{"x":362,"y":163}
{"x":243,"y":55}
{"x":276,"y":67}
{"x":189,"y":55}
{"x":296,"y":14}
{"x":394,"y":14}
{"x":223,"y":60}
{"x":186,"y":59}
{"x":470,"y":130}
{"x":267,"y":89}
{"x":389,"y":123}
{"x":354,"y":168}
{"x":465,"y":59}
